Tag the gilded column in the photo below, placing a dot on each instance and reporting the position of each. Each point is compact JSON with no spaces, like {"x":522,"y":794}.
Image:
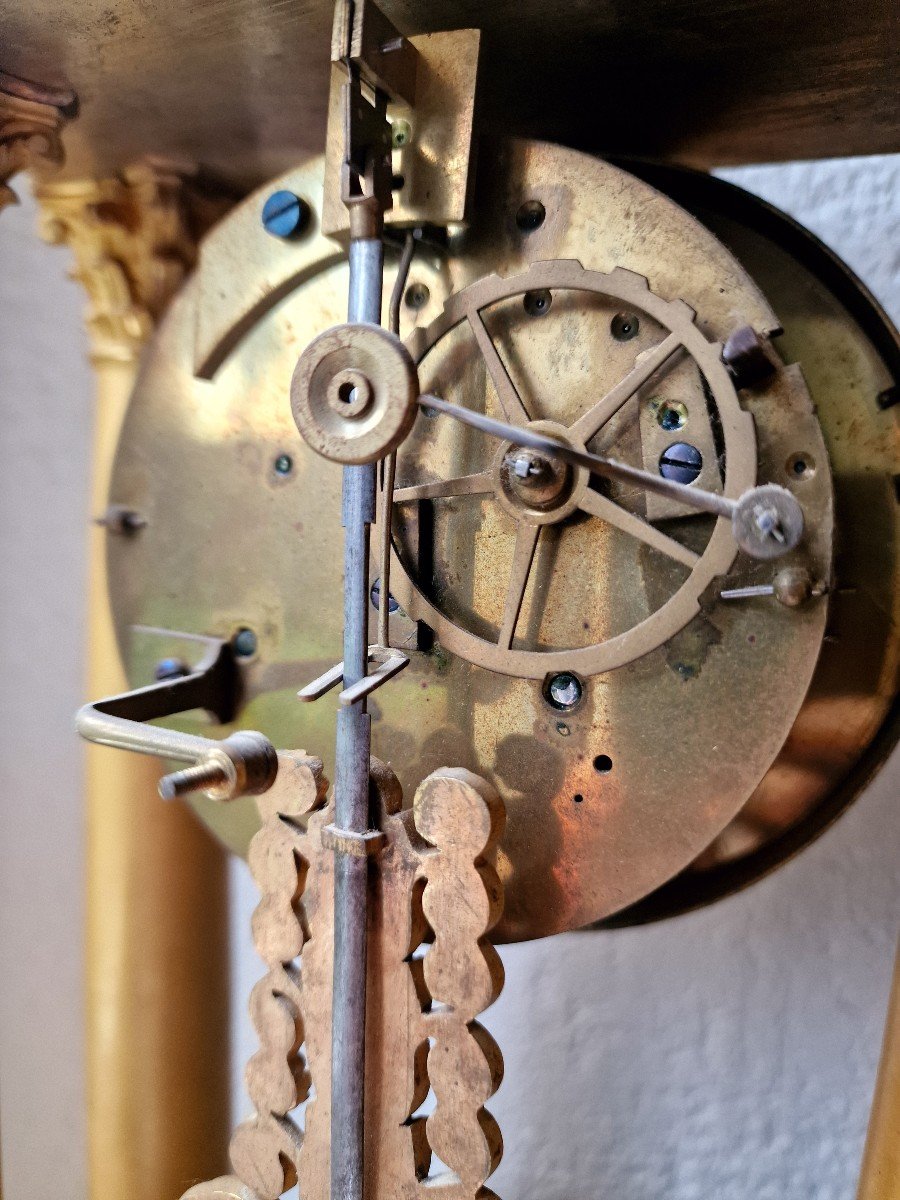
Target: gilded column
{"x":156,"y":938}
{"x":880,"y":1177}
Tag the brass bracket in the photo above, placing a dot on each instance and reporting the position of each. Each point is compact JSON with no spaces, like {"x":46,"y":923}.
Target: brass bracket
{"x":345,"y":841}
{"x":408,"y":148}
{"x":369,"y":45}
{"x":245,"y":762}
{"x":380,"y":65}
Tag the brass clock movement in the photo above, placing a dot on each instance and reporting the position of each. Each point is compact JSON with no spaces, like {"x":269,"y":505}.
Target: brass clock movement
{"x":549,"y":501}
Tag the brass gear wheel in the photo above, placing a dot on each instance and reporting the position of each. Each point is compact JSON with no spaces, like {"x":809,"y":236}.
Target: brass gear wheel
{"x":537,"y":495}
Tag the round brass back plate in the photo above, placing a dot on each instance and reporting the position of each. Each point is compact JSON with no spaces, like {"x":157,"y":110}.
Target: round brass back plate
{"x":607,"y":800}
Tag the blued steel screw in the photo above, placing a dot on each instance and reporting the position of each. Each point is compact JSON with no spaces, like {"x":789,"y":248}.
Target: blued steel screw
{"x":245,"y":643}
{"x":768,"y":523}
{"x":375,"y":597}
{"x":170,"y":668}
{"x":681,"y":462}
{"x":285,"y":214}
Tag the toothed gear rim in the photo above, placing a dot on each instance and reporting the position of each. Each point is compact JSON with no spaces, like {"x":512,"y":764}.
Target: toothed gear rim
{"x":678,"y":318}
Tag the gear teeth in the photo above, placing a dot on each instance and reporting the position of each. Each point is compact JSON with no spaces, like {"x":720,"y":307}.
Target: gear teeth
{"x":485,"y":279}
{"x":556,"y":262}
{"x":417,"y":342}
{"x":635,"y":277}
{"x":627,"y":289}
{"x":491,"y":280}
{"x":684,"y":308}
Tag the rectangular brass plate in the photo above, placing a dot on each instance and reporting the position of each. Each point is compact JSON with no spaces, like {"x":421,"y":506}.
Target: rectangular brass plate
{"x":434,"y":164}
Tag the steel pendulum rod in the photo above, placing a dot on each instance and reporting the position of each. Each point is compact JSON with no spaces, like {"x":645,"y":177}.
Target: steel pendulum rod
{"x":351,"y":790}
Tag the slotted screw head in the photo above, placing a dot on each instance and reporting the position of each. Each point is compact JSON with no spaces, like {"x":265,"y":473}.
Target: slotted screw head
{"x":285,"y":214}
{"x":681,"y":462}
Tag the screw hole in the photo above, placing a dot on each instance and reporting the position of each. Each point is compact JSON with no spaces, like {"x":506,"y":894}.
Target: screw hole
{"x":536,"y":304}
{"x":800,"y":466}
{"x":603,"y":764}
{"x":530,"y":216}
{"x":671,"y":415}
{"x":624,"y":327}
{"x":401,"y":134}
{"x":578,"y":798}
{"x":417,"y":296}
{"x":347,"y":393}
{"x":429,"y":413}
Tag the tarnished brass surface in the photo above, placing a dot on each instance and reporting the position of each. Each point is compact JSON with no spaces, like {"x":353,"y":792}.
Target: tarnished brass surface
{"x":354,"y":393}
{"x":242,"y":85}
{"x":231,"y":541}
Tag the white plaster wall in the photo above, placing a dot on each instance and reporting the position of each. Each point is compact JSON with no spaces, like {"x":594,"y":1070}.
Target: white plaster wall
{"x":45,"y":396}
{"x":726,"y":1054}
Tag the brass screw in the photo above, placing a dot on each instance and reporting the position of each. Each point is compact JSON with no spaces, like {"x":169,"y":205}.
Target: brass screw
{"x":401,"y":134}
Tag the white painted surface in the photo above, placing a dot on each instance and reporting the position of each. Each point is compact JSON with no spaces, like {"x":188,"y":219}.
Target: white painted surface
{"x":728,"y":1054}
